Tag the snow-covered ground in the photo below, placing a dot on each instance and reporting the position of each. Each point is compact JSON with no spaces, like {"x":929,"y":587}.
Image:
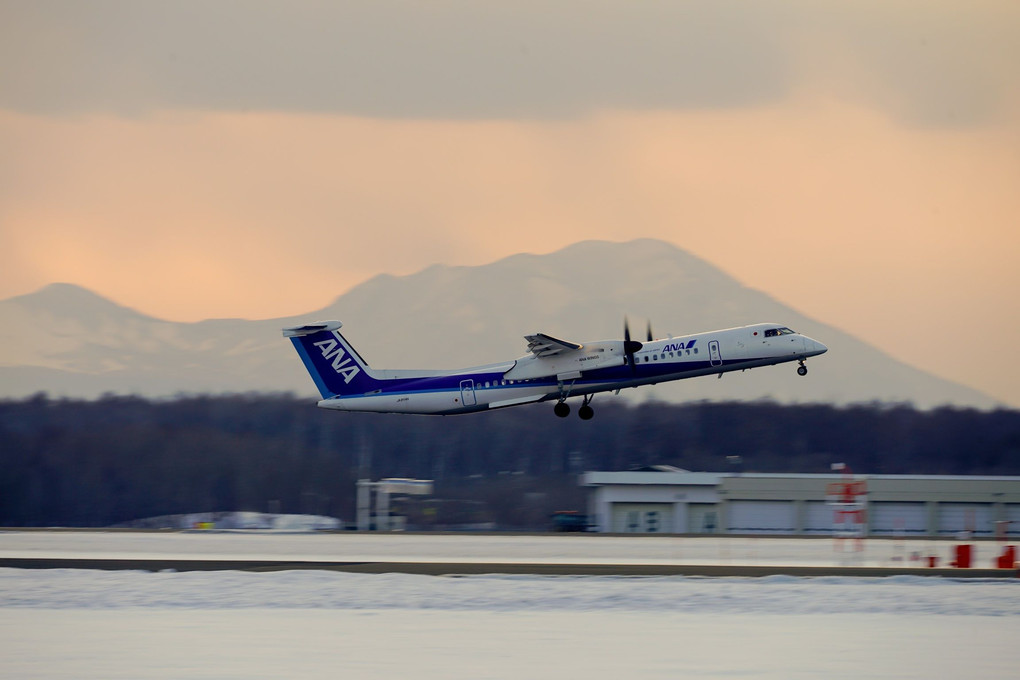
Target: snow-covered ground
{"x":80,"y":624}
{"x":309,"y":624}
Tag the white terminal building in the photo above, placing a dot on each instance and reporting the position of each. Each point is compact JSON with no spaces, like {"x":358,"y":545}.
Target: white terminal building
{"x":663,"y":499}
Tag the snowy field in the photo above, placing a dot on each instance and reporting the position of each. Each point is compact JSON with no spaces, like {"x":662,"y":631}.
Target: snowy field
{"x":318,"y":624}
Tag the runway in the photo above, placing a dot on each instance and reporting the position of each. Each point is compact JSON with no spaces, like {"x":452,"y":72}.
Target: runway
{"x":225,"y":605}
{"x":472,"y":554}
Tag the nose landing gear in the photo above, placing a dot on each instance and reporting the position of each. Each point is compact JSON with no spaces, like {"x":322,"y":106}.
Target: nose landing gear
{"x":802,"y":369}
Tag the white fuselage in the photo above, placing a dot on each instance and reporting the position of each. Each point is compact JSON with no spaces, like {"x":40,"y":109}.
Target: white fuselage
{"x":596,"y":367}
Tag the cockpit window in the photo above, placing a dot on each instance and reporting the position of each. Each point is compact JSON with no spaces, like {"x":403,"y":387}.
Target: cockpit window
{"x":773,"y":332}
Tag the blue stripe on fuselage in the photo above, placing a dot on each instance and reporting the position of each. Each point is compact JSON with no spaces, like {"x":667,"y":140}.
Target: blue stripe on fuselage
{"x":608,"y":378}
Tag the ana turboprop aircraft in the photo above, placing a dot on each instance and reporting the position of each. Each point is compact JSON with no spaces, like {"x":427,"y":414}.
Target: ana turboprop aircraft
{"x":554,"y":370}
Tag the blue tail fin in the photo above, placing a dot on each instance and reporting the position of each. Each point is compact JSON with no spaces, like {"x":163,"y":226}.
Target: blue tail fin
{"x":334,"y":365}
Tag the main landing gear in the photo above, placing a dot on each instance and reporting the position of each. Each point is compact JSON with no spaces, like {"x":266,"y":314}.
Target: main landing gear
{"x":802,"y":369}
{"x":586,"y":412}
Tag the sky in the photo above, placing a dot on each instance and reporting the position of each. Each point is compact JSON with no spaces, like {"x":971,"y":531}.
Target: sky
{"x":858,"y":160}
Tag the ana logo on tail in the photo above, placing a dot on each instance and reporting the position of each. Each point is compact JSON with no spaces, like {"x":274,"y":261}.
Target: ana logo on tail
{"x":333,"y":351}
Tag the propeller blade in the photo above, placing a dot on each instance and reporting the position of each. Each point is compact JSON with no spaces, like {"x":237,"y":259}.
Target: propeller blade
{"x":650,"y":336}
{"x":630,"y":346}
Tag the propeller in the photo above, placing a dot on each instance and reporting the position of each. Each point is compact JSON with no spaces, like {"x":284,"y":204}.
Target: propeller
{"x":630,"y":346}
{"x":650,"y":336}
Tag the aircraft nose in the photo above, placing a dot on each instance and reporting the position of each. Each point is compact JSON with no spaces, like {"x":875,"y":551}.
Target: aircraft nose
{"x":814,"y":347}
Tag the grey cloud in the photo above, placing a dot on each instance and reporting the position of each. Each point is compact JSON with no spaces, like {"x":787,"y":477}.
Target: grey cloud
{"x":443,"y":59}
{"x":407,"y":59}
{"x":931,"y":62}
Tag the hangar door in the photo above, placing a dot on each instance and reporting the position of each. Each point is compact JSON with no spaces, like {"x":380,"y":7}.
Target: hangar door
{"x":642,"y":518}
{"x":819,"y":517}
{"x":898,"y":518}
{"x":761,"y":517}
{"x":957,"y":517}
{"x":1013,"y":517}
{"x":702,"y":518}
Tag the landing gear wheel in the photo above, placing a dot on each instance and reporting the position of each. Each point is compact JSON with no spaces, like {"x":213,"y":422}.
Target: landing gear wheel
{"x":586,"y":412}
{"x":802,"y":370}
{"x":562,"y":409}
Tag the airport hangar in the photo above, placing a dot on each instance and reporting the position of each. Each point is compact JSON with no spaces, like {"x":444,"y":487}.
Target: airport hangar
{"x":663,"y":499}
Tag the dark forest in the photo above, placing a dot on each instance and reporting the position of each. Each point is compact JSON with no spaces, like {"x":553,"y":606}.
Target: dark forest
{"x":116,"y":459}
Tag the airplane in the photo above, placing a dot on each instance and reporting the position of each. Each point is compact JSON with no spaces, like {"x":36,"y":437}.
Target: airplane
{"x":553,"y":370}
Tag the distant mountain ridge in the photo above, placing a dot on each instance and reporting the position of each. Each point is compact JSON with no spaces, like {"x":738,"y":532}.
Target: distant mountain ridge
{"x":68,"y":341}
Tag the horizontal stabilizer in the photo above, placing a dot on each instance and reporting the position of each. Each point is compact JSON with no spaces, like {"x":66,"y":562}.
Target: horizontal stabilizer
{"x":309,"y":328}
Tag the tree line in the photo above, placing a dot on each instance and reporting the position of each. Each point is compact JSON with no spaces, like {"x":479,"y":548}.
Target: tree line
{"x":115,"y":459}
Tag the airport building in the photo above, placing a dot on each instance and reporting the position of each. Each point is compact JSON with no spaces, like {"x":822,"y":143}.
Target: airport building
{"x":662,"y":499}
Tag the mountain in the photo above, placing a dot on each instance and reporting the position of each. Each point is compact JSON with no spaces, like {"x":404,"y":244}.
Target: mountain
{"x":68,"y":341}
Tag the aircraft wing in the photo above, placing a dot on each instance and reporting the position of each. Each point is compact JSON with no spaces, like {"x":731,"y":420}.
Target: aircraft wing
{"x":542,"y":345}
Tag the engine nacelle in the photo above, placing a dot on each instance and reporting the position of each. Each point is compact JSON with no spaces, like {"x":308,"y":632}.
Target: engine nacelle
{"x":569,"y":363}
